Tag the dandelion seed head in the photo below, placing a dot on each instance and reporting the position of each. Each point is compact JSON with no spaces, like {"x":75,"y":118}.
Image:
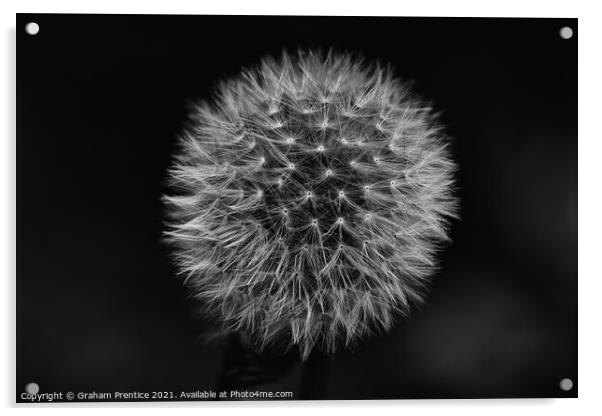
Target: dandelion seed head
{"x":353,"y":260}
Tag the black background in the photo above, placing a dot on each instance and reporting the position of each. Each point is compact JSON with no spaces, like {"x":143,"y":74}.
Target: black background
{"x":100,"y":100}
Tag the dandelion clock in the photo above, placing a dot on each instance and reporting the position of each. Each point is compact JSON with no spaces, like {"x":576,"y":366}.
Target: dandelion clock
{"x":309,"y":198}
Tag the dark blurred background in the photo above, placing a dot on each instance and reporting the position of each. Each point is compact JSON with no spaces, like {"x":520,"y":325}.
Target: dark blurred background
{"x":100,"y":100}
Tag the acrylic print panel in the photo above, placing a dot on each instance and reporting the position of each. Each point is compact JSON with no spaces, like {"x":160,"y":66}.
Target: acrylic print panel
{"x":277,"y":208}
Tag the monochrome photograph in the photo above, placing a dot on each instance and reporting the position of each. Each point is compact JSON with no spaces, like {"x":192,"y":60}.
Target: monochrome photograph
{"x":292,"y":208}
